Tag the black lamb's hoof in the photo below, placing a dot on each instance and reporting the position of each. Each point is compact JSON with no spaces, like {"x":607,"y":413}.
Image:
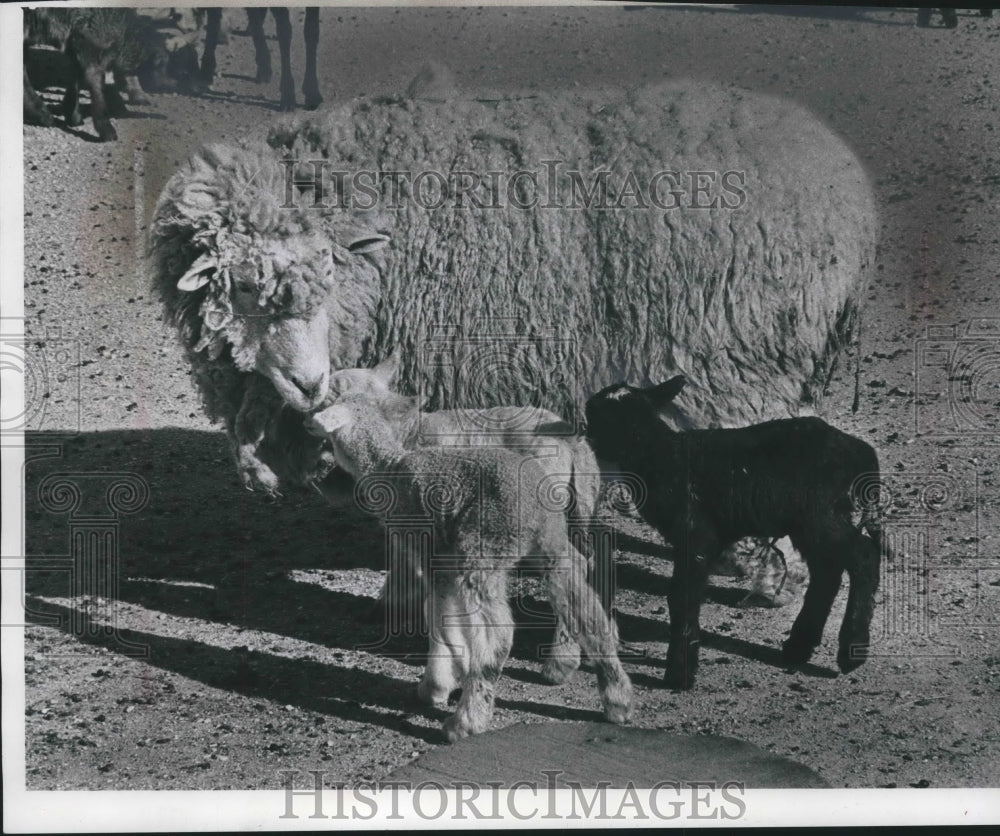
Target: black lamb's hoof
{"x":678,"y":680}
{"x":106,"y":133}
{"x":851,"y":658}
{"x":794,"y":653}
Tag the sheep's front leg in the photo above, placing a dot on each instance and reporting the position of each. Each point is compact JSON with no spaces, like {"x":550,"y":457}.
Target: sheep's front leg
{"x":687,"y":589}
{"x":260,"y":402}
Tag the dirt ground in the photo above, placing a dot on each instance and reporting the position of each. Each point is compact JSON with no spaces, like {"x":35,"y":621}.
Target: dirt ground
{"x":243,"y":644}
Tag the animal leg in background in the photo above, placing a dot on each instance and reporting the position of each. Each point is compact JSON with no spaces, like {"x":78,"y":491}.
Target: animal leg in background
{"x":213,"y":24}
{"x":35,"y":110}
{"x":85,"y":59}
{"x":262,"y":55}
{"x":283,"y":25}
{"x":310,"y":82}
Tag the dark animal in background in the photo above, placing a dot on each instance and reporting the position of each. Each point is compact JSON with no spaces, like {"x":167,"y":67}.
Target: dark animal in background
{"x":255,"y":26}
{"x":93,"y":43}
{"x":949,"y":16}
{"x":708,"y":488}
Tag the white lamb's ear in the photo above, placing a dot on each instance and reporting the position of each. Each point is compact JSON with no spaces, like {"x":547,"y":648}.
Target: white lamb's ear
{"x":368,"y":243}
{"x":387,"y":370}
{"x":198,"y":274}
{"x":329,"y":420}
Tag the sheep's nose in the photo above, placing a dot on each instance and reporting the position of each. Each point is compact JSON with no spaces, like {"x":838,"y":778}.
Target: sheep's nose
{"x":311,"y":389}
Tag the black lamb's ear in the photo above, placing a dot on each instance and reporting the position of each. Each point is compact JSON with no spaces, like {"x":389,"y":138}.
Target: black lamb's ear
{"x":665,"y":392}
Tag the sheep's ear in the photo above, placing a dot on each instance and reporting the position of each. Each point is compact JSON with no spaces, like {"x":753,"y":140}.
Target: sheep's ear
{"x":329,"y":420}
{"x":664,"y":393}
{"x":368,"y":243}
{"x":387,"y":370}
{"x":198,"y":273}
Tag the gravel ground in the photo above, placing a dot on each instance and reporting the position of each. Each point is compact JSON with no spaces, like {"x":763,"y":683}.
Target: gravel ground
{"x":241,"y":624}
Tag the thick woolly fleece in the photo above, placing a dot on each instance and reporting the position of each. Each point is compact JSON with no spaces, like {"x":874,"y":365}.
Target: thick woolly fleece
{"x":540,"y":306}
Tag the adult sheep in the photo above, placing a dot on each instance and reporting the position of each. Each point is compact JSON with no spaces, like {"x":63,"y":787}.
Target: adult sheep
{"x":747,"y":287}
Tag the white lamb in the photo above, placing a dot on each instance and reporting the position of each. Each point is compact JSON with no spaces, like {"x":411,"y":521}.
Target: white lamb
{"x":482,"y":509}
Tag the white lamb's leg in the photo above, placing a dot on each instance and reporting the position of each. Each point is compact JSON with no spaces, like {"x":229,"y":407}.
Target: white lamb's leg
{"x":447,"y":652}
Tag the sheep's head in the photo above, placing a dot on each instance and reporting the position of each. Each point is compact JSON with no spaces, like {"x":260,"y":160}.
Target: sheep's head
{"x":617,"y":414}
{"x":261,"y":276}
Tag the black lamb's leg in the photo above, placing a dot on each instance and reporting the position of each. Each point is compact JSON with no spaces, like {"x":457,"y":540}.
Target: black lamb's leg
{"x":310,"y":84}
{"x":864,"y":559}
{"x":283,"y":23}
{"x":213,"y":23}
{"x":687,"y":589}
{"x":262,"y":55}
{"x":824,"y":558}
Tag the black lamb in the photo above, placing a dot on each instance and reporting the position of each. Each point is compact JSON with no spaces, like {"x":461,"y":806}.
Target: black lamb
{"x":798,"y":477}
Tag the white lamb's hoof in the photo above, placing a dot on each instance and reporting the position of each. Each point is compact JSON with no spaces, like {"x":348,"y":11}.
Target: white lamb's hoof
{"x":454,"y":729}
{"x":430,"y":694}
{"x":617,"y":700}
{"x":559,"y":668}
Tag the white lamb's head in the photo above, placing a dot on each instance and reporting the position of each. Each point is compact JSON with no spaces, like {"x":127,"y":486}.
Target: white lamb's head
{"x":374,"y":381}
{"x":358,"y":429}
{"x":255,"y":277}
